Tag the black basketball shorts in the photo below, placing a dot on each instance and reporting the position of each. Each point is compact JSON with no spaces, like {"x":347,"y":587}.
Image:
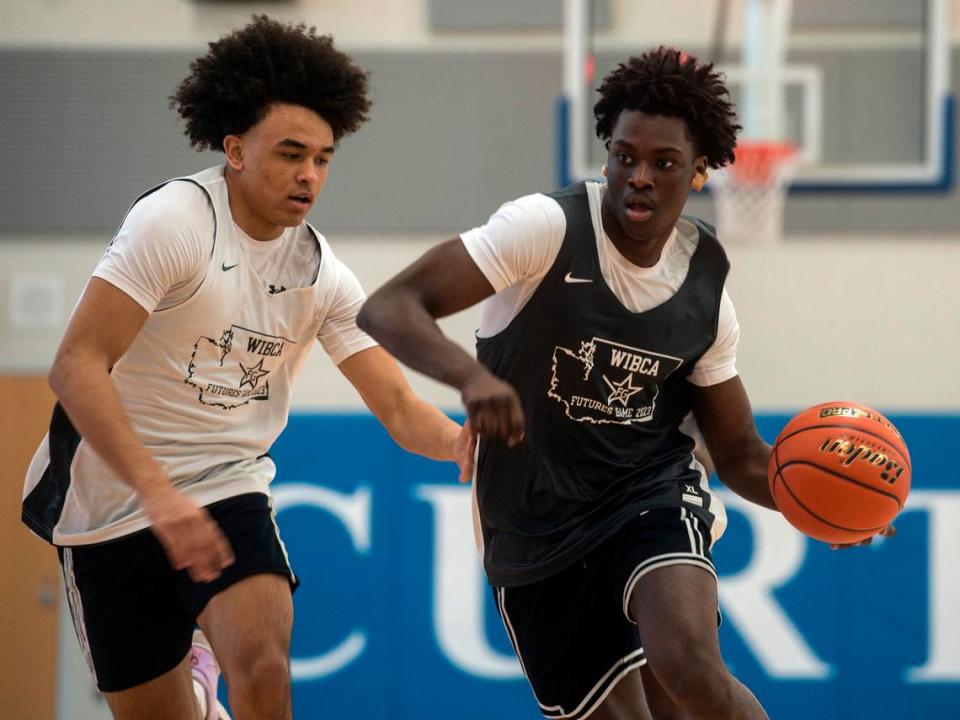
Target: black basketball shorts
{"x":134,"y":614}
{"x":573,"y":633}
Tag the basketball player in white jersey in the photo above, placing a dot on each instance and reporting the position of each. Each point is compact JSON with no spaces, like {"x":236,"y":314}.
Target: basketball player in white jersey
{"x":174,"y":379}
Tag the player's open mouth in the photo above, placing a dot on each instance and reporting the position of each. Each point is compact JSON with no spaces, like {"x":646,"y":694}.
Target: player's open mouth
{"x":301,"y":201}
{"x":639,"y":210}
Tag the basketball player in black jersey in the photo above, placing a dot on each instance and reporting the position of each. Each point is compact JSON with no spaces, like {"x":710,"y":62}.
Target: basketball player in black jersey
{"x":597,"y":521}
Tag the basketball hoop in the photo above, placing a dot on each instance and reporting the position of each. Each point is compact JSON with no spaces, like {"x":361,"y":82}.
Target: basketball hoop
{"x":749,"y":194}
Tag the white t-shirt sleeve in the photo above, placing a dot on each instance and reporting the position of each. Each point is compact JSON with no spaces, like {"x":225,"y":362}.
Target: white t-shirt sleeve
{"x":338,"y":332}
{"x":719,"y":363}
{"x":160,"y":254}
{"x":519,"y":242}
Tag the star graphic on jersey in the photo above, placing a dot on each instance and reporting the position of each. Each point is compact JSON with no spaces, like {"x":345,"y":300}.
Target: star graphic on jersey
{"x":252,"y":375}
{"x":622,"y":391}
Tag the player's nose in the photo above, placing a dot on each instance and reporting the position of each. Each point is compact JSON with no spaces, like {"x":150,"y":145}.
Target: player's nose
{"x":642,"y":176}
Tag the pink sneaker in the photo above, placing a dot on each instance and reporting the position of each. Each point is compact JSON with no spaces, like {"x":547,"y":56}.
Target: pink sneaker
{"x":206,"y":673}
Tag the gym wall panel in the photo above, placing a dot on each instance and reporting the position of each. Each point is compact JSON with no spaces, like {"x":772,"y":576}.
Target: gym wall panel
{"x":452,"y":136}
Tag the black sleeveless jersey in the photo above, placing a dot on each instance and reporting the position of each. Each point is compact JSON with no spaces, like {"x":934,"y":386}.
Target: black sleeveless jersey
{"x":604,"y":391}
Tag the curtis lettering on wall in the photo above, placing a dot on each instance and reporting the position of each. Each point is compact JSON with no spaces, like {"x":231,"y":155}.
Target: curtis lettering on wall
{"x":393,"y":596}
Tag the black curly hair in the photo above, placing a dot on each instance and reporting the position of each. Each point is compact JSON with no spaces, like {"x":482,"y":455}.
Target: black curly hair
{"x":669,"y":82}
{"x":230,"y":89}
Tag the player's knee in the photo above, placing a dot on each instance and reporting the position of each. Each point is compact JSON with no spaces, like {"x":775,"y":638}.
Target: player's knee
{"x":699,"y":683}
{"x":666,"y":709}
{"x":271,"y":670}
{"x":265,"y":672}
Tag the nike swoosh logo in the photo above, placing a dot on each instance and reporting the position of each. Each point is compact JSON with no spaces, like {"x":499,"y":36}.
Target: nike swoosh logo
{"x":226,"y":267}
{"x":571,"y":279}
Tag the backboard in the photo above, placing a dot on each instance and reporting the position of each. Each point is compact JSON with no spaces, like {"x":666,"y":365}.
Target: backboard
{"x":865,"y":84}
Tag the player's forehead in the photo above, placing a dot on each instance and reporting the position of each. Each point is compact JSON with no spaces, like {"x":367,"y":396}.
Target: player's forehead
{"x":641,"y":130}
{"x":288,"y":124}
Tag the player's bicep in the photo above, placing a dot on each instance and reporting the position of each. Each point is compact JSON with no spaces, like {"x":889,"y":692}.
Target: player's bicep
{"x":725,"y":418}
{"x":103,"y":325}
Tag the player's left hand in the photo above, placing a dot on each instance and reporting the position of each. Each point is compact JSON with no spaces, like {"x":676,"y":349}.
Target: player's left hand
{"x":888,"y":531}
{"x":464,"y":451}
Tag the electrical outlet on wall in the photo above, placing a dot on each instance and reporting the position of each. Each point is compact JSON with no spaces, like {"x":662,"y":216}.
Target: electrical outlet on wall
{"x":35,"y":301}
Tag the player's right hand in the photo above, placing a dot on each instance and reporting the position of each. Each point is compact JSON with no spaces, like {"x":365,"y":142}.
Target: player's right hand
{"x":888,"y":531}
{"x":493,"y":407}
{"x":191,"y":538}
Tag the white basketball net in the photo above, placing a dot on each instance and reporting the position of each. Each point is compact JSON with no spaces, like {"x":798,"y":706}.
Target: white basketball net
{"x":750,"y":194}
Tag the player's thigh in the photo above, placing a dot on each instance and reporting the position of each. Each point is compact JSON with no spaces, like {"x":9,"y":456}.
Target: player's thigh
{"x":247,"y":613}
{"x":675,"y":608}
{"x":656,"y":541}
{"x":248,"y":622}
{"x":168,"y":697}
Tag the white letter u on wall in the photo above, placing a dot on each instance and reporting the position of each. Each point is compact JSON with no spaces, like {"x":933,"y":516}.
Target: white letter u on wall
{"x":354,"y":512}
{"x":459,"y":589}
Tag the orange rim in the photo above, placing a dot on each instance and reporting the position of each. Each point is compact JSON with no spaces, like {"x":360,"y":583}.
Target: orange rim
{"x":757,"y":161}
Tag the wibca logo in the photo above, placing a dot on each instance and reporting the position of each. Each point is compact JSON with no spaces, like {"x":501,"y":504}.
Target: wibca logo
{"x":607,"y":382}
{"x":234,"y":369}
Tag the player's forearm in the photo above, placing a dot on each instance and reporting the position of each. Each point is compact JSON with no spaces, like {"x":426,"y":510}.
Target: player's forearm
{"x":420,"y":428}
{"x":84,"y":389}
{"x":744,"y":471}
{"x":405,"y":328}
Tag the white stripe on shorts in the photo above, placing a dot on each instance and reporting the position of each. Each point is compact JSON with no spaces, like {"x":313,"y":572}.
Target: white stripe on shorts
{"x":508,"y":626}
{"x":76,"y":610}
{"x":598,"y":693}
{"x":686,"y":521}
{"x":693,"y":529}
{"x":276,"y":531}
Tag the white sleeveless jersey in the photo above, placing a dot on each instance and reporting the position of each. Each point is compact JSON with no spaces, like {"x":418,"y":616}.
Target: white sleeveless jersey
{"x":206,"y":385}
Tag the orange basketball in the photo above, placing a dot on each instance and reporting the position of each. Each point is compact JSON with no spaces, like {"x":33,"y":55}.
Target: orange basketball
{"x":839,"y":472}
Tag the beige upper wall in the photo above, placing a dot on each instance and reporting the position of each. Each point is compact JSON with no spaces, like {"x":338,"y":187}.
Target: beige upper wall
{"x":183,"y":23}
{"x":867,"y":319}
{"x":400,"y":24}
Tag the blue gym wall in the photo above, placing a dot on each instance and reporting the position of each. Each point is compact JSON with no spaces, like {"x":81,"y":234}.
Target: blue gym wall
{"x":836,"y":635}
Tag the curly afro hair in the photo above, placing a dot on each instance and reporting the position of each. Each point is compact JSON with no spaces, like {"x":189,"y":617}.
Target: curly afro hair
{"x":230,"y":89}
{"x":669,"y":82}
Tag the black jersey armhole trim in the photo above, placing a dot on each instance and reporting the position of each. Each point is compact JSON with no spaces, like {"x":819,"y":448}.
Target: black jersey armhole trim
{"x":316,"y":238}
{"x":712,"y":245}
{"x":42,"y":507}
